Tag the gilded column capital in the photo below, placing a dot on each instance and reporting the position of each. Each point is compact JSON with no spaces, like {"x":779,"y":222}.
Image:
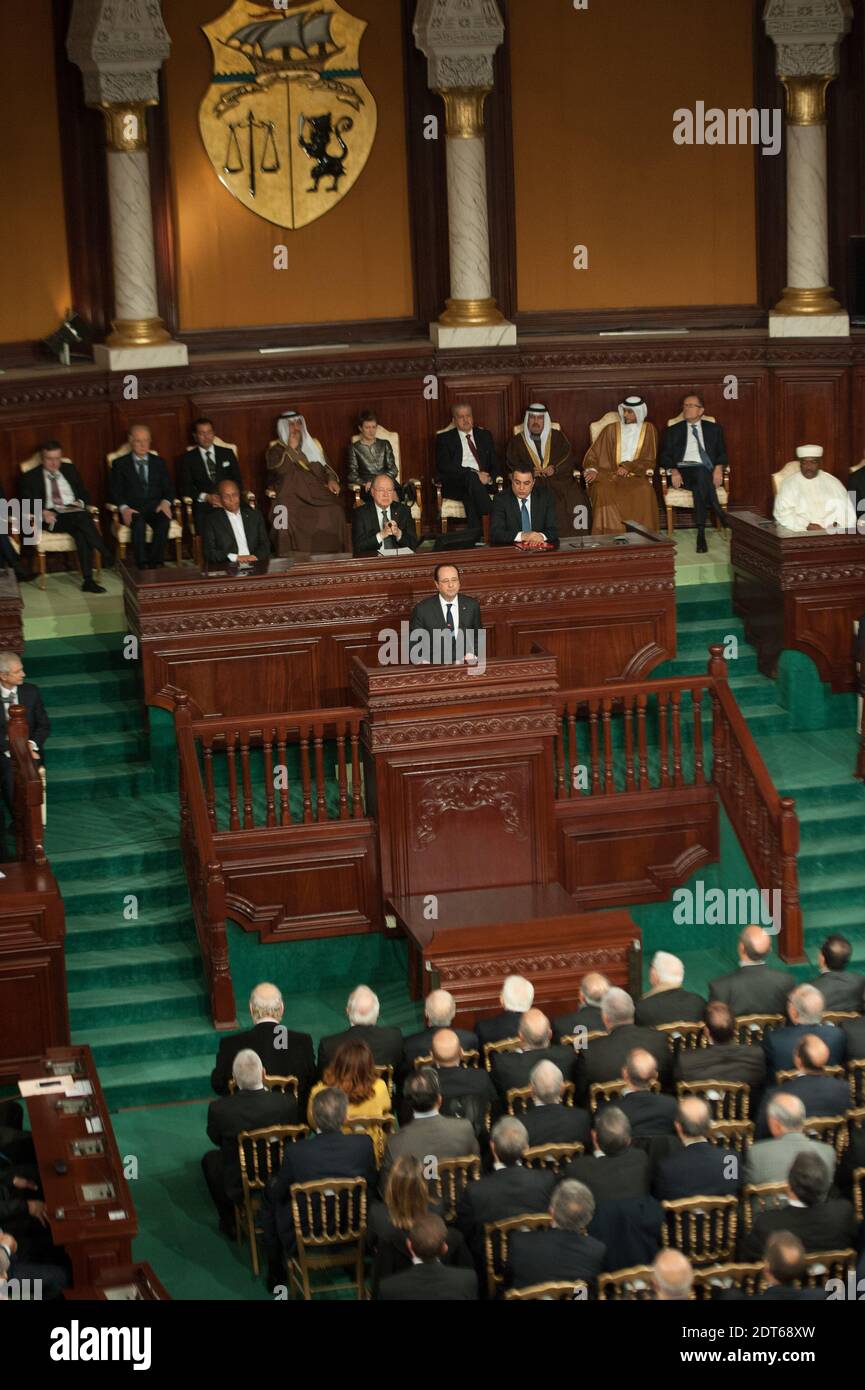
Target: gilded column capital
{"x":464,"y":111}
{"x":125,"y":125}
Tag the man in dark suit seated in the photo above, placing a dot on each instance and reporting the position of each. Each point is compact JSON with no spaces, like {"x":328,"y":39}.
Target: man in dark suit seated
{"x":587,"y":1014}
{"x":251,"y":1106}
{"x":233,"y":533}
{"x":385,"y":525}
{"x":466,"y":465}
{"x":695,"y":454}
{"x":755,"y":987}
{"x":820,"y":1222}
{"x":650,"y":1115}
{"x":524,"y":513}
{"x":517,"y":996}
{"x":429,"y":1135}
{"x":700,"y":1168}
{"x":203,"y":468}
{"x":15,"y":690}
{"x":820,"y":1094}
{"x":843,"y":990}
{"x":724,"y":1058}
{"x":547,"y":1120}
{"x":467,"y":1092}
{"x":667,"y":1001}
{"x":428,"y":1280}
{"x":328,"y":1154}
{"x":564,"y":1251}
{"x":513,"y":1069}
{"x":672,"y":1276}
{"x":439,"y":1010}
{"x":9,"y":556}
{"x":282,"y":1052}
{"x":142,"y":491}
{"x":57,"y":487}
{"x":362,"y":1011}
{"x":805,"y":1011}
{"x":445,"y":629}
{"x":604,"y":1058}
{"x":854,"y":1035}
{"x":785,"y":1265}
{"x":615,"y":1169}
{"x":509,"y":1190}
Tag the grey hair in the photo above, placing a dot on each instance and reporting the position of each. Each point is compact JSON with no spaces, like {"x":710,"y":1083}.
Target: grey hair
{"x":617,"y":1006}
{"x":247,"y":1070}
{"x":363,"y":1006}
{"x":808,"y":1003}
{"x":329,"y":1110}
{"x":265,"y":1001}
{"x":440,"y":1008}
{"x":510,"y":1139}
{"x":518,"y":994}
{"x":668,"y":968}
{"x":572,"y":1206}
{"x":8,"y":660}
{"x":788,"y":1110}
{"x":547,"y":1082}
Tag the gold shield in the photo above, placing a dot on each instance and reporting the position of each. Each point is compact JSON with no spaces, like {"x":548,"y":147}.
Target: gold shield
{"x":288,"y":121}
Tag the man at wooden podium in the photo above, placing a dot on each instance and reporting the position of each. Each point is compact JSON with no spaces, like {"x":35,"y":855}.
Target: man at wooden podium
{"x":452,"y":622}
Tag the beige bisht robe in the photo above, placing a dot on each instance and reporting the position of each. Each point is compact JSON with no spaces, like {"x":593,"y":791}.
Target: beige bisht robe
{"x":315,"y":517}
{"x":567,"y":491}
{"x":616,"y":500}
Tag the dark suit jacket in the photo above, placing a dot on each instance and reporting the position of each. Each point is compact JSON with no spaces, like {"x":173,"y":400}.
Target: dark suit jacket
{"x":723,"y":1062}
{"x":779,"y":1044}
{"x":828,"y":1225}
{"x":419,"y":1044}
{"x":127,"y":491}
{"x":322,"y":1156}
{"x":229,"y":1116}
{"x":506,"y":522}
{"x":649,"y":1114}
{"x":427,"y":616}
{"x":630,"y":1228}
{"x":457,"y":1082}
{"x":38,"y":724}
{"x":753,"y":989}
{"x":365,"y":525}
{"x":193,"y":473}
{"x":588,"y":1017}
{"x":512,"y":1069}
{"x":449,"y":454}
{"x":295,"y":1059}
{"x":557,"y":1124}
{"x":673,"y":451}
{"x":669,"y":1006}
{"x":697,"y":1170}
{"x":534,"y":1257}
{"x":854,"y":1032}
{"x":625,"y":1174}
{"x":497,"y":1027}
{"x":220,"y":541}
{"x":604,"y":1058}
{"x":507,"y":1192}
{"x":430,"y":1283}
{"x":820,"y":1095}
{"x":32,"y":486}
{"x":385,"y":1044}
{"x":841,"y":989}
{"x":780,"y":1293}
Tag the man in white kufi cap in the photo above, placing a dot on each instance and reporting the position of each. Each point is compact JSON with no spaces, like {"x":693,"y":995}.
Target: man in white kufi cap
{"x":618,"y":468}
{"x":811,"y":500}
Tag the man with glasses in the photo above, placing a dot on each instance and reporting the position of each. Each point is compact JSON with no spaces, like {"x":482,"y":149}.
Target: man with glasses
{"x":695,"y":454}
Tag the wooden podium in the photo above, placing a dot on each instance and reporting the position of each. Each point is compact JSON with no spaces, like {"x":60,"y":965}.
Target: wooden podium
{"x":460,"y":779}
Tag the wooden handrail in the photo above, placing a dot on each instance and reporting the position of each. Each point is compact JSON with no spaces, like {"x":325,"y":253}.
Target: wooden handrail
{"x":28,"y":790}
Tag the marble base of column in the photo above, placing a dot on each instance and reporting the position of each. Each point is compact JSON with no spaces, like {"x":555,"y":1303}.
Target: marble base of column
{"x":473,"y":323}
{"x":132,"y":358}
{"x":809,"y":325}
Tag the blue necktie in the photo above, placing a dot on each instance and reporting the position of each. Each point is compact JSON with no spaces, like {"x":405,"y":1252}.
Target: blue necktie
{"x":141,"y":465}
{"x":704,"y":457}
{"x":526,"y":519}
{"x":450,"y":618}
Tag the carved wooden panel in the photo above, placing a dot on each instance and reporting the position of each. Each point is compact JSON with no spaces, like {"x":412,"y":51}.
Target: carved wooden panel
{"x":811,"y":406}
{"x":33,"y":1009}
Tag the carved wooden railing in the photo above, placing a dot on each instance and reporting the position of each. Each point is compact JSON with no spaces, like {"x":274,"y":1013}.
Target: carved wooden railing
{"x":28,"y":791}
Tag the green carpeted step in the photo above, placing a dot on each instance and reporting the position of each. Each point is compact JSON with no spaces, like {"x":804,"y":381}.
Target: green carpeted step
{"x":126,"y":862}
{"x":111,"y":826}
{"x":73,"y":689}
{"x":153,"y":892}
{"x":103,"y":714}
{"x":174,"y":960}
{"x":84,"y":783}
{"x":107,"y":747}
{"x":112,"y":1008}
{"x":93,"y":931}
{"x":87,"y":656}
{"x":158,"y":1082}
{"x":167,"y":1039}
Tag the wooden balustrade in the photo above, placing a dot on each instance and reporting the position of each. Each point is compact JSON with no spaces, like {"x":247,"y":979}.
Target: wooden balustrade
{"x":28,"y":791}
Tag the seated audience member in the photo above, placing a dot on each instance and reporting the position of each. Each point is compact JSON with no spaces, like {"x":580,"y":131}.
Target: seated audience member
{"x":16,"y":1146}
{"x":466,"y":464}
{"x":429,"y":1136}
{"x":352,"y":1070}
{"x":451,"y":622}
{"x":564,"y":1251}
{"x":672,"y":1277}
{"x":631,"y":1228}
{"x":308,"y":513}
{"x":587,"y":1014}
{"x":805,"y":1011}
{"x":535,"y":1033}
{"x":64,"y":499}
{"x":813,"y":500}
{"x":406,"y":1200}
{"x":547,"y":1120}
{"x":251,"y":1106}
{"x":854,"y":1034}
{"x":24,"y":1217}
{"x":439,"y":1011}
{"x":15,"y":690}
{"x":362,"y":1011}
{"x":203,"y":468}
{"x":615,"y":1169}
{"x":615,"y":468}
{"x":700,"y":1168}
{"x":755,"y":987}
{"x":820,"y":1094}
{"x":695,"y":453}
{"x":667,"y":1001}
{"x":326,"y":1154}
{"x":524,"y":513}
{"x":282,"y":1052}
{"x":785,"y":1264}
{"x":546,"y":453}
{"x":143,"y":493}
{"x":509,"y":1190}
{"x":770,"y":1160}
{"x":9,"y":556}
{"x":724,"y":1058}
{"x":516,"y":998}
{"x":467,"y":1092}
{"x":648,"y":1113}
{"x":603,"y":1058}
{"x":428,"y":1280}
{"x":370,"y":458}
{"x":53,"y":1279}
{"x":385,"y":526}
{"x":820,"y":1222}
{"x":843,"y":990}
{"x":234,"y":534}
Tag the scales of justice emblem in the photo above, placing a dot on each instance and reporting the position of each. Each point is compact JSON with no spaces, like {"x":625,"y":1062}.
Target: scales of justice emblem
{"x":288,"y":121}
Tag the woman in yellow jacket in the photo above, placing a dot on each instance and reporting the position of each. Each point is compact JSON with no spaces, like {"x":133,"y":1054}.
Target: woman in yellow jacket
{"x":352,"y":1070}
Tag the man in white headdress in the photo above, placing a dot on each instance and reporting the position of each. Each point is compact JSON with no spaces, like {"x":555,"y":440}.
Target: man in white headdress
{"x":618,"y":469}
{"x":547,"y":452}
{"x":812,"y":500}
{"x":307,"y":513}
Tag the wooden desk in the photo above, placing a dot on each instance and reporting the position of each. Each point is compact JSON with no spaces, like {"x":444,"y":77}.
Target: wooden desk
{"x":798,"y":591}
{"x":126,"y":1284}
{"x":96,"y":1234}
{"x":34,"y":1014}
{"x":11,"y":610}
{"x":283,"y":638}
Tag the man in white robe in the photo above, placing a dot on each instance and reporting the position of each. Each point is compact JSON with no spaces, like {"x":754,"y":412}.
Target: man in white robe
{"x":812,"y":500}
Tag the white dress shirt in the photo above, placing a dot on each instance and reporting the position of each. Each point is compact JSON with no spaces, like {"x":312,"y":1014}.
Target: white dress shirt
{"x":235,"y":520}
{"x":469,"y":460}
{"x":455,"y":611}
{"x":67,"y":496}
{"x":692,"y":451}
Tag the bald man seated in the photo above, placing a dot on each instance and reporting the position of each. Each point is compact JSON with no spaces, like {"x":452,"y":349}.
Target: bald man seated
{"x":667,"y":1001}
{"x":755,"y":986}
{"x":467,"y":1092}
{"x":784,"y":1266}
{"x":820,"y":1094}
{"x":535,"y":1033}
{"x":699,"y":1168}
{"x":362,"y":1011}
{"x":650,"y":1114}
{"x":587,"y":1014}
{"x":518,"y":994}
{"x":603,"y":1058}
{"x":672,"y":1277}
{"x":439,"y":1011}
{"x":282,"y":1052}
{"x":385,"y":526}
{"x":805,"y":1011}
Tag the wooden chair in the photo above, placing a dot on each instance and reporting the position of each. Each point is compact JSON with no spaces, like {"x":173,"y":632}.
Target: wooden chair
{"x":838,"y":1016}
{"x":856,"y":1076}
{"x":751,"y":1028}
{"x":189,"y":507}
{"x":610,"y":418}
{"x":749,"y":1279}
{"x":470,"y":1058}
{"x":728,"y":1100}
{"x":385,"y":1074}
{"x":496,"y":1237}
{"x":453,"y":1176}
{"x":683,"y":1037}
{"x":416,"y":507}
{"x":823,"y":1265}
{"x":447,"y":508}
{"x":330,"y":1229}
{"x":828,"y":1129}
{"x":783,"y":474}
{"x":61,"y":544}
{"x":732,"y":1134}
{"x":260,"y":1152}
{"x":553,"y":1157}
{"x":123,"y":534}
{"x":503,"y":1045}
{"x":272,"y":1083}
{"x":602,"y":1092}
{"x":681,"y":498}
{"x":519,"y":1098}
{"x":552,"y":1292}
{"x":378,"y":1127}
{"x":703,"y":1228}
{"x":788,"y":1074}
{"x":758,"y":1197}
{"x":858,"y":1181}
{"x":633,"y":1285}
{"x":570,"y":1039}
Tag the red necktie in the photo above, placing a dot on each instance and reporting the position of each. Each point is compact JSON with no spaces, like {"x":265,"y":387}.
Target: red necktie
{"x":56,"y":498}
{"x":471,"y":444}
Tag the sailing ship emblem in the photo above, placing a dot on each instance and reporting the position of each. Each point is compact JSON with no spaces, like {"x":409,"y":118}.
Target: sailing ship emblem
{"x":288,"y":121}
